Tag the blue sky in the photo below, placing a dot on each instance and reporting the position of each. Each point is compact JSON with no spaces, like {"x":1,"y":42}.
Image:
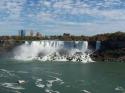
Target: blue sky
{"x":86,"y":17}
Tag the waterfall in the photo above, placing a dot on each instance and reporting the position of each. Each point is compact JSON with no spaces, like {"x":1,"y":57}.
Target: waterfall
{"x":48,"y":50}
{"x":98,"y":45}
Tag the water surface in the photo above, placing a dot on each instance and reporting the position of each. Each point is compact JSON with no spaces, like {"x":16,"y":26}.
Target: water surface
{"x":61,"y":77}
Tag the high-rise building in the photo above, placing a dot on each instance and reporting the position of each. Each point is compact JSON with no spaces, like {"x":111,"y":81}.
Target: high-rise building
{"x":66,"y":34}
{"x":31,"y":33}
{"x":38,"y":34}
{"x":22,"y":33}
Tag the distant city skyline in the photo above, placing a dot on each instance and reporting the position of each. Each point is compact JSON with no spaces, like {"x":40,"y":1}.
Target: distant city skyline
{"x":51,"y":17}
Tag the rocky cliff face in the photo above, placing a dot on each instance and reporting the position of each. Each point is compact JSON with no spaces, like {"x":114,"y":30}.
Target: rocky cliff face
{"x":111,"y":50}
{"x":112,"y":45}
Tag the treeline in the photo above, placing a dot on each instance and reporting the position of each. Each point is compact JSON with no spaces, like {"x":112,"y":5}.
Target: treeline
{"x":19,"y":38}
{"x":67,"y":37}
{"x":117,"y":36}
{"x":101,"y":37}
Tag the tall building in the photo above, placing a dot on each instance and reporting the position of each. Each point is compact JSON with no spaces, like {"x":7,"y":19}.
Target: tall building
{"x":22,"y":33}
{"x":66,"y":34}
{"x":38,"y":34}
{"x":31,"y":33}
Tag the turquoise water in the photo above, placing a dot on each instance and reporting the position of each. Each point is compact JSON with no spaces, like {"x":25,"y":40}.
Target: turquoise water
{"x":61,"y":77}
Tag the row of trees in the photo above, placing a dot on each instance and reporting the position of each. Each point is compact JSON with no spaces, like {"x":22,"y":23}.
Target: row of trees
{"x":109,"y":36}
{"x":101,"y":37}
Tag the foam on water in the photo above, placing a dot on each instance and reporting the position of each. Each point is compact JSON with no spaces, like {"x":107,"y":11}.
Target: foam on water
{"x":47,"y":50}
{"x":4,"y":72}
{"x":39,"y":83}
{"x":56,"y":79}
{"x":85,"y":91}
{"x":51,"y":91}
{"x":49,"y":84}
{"x":120,"y":89}
{"x":14,"y":86}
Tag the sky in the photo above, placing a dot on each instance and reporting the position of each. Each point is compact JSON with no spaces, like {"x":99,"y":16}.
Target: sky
{"x":55,"y":17}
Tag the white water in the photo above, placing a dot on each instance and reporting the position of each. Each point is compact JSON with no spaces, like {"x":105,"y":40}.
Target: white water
{"x":14,"y":86}
{"x":48,"y":50}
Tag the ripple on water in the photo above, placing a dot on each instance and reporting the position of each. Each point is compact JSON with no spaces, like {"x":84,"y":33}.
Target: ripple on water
{"x":16,"y":92}
{"x":4,"y":71}
{"x":48,"y":88}
{"x":47,"y":84}
{"x":56,"y":79}
{"x":22,"y":72}
{"x":51,"y":91}
{"x":2,"y":75}
{"x":55,"y":73}
{"x":119,"y":88}
{"x":14,"y":86}
{"x":39,"y":84}
{"x":85,"y":91}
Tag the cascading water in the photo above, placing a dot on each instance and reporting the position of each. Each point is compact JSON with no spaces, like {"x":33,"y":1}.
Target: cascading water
{"x":98,"y":45}
{"x":47,"y":50}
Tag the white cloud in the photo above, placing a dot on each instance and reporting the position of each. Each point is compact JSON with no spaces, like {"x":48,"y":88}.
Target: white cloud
{"x":12,"y":7}
{"x":81,"y":8}
{"x":84,"y":28}
{"x":52,"y":11}
{"x":47,"y":3}
{"x":45,"y":16}
{"x":112,"y":2}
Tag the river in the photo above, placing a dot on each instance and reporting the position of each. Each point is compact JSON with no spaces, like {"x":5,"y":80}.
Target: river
{"x":61,"y":77}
